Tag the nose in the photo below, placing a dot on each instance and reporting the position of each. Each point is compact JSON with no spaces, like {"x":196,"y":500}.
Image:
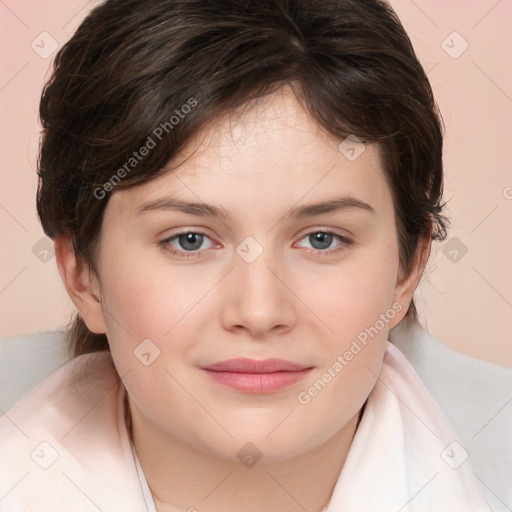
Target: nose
{"x":259,"y":300}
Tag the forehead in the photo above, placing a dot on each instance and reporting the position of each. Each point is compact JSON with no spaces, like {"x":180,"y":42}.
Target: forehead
{"x":271,"y":129}
{"x":271,"y":153}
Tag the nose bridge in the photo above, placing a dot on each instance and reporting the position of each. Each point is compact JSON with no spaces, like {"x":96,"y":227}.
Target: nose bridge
{"x":256,"y":275}
{"x":258,"y":301}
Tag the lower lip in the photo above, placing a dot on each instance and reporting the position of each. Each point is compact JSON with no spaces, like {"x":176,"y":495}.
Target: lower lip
{"x":258,"y":382}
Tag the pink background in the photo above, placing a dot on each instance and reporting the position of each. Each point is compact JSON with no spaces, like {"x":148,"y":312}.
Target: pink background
{"x":466,"y":304}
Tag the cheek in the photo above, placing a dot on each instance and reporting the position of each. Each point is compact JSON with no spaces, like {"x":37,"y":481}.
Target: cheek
{"x":355,"y":303}
{"x":153,"y":315}
{"x":351,"y":296}
{"x":149,"y":331}
{"x":149,"y":299}
{"x":356,"y":307}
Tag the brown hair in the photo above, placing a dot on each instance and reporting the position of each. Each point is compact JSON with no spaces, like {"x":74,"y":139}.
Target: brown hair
{"x":133,"y":64}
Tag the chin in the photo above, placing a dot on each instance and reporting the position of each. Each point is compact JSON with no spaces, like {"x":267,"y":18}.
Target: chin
{"x":251,"y":443}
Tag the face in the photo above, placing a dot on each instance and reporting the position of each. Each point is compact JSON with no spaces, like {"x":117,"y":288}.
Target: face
{"x":183,"y":289}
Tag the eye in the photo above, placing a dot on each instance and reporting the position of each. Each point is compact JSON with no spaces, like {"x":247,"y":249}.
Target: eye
{"x":321,"y":240}
{"x":185,"y":244}
{"x":188,"y":244}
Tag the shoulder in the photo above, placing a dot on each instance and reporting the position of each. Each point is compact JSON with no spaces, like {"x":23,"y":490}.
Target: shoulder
{"x":64,"y":436}
{"x":57,"y":402}
{"x":412,"y":446}
{"x":400,"y":390}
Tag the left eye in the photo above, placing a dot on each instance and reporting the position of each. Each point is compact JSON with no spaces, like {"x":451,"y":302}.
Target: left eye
{"x":321,"y":240}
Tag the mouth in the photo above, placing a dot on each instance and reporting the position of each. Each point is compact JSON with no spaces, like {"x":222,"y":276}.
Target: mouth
{"x":253,"y":376}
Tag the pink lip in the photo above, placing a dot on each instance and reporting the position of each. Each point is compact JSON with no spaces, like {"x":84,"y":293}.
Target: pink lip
{"x":252,"y":376}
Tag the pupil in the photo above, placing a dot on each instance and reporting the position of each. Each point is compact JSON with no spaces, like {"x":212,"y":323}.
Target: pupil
{"x":323,"y":238}
{"x":189,"y":238}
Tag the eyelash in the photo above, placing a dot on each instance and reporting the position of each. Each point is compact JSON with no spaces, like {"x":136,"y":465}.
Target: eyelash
{"x":345,"y":243}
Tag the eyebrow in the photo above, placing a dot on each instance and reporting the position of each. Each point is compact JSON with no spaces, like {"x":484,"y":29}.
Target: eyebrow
{"x":208,"y":210}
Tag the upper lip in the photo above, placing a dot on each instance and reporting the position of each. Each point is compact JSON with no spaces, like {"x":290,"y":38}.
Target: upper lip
{"x":245,"y":365}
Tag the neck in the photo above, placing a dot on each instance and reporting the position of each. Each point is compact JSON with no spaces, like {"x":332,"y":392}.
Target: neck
{"x":183,"y":477}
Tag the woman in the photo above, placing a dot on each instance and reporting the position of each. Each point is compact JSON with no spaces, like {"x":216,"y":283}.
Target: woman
{"x":298,"y":148}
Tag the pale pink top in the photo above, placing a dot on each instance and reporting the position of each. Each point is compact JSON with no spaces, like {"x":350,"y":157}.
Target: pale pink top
{"x":65,"y":447}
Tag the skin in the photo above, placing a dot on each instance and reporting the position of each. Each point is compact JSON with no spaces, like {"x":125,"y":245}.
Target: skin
{"x":288,"y":303}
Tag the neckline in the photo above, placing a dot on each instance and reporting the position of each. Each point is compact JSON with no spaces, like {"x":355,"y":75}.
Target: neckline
{"x":146,"y":492}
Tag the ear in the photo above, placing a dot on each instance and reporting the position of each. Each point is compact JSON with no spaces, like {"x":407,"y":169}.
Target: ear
{"x":81,"y":284}
{"x":406,"y":285}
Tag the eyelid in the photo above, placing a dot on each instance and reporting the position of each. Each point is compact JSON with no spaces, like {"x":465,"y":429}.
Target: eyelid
{"x":324,"y":229}
{"x":185,"y":231}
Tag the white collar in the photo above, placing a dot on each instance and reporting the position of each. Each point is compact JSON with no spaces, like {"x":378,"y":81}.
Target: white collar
{"x":148,"y":497}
